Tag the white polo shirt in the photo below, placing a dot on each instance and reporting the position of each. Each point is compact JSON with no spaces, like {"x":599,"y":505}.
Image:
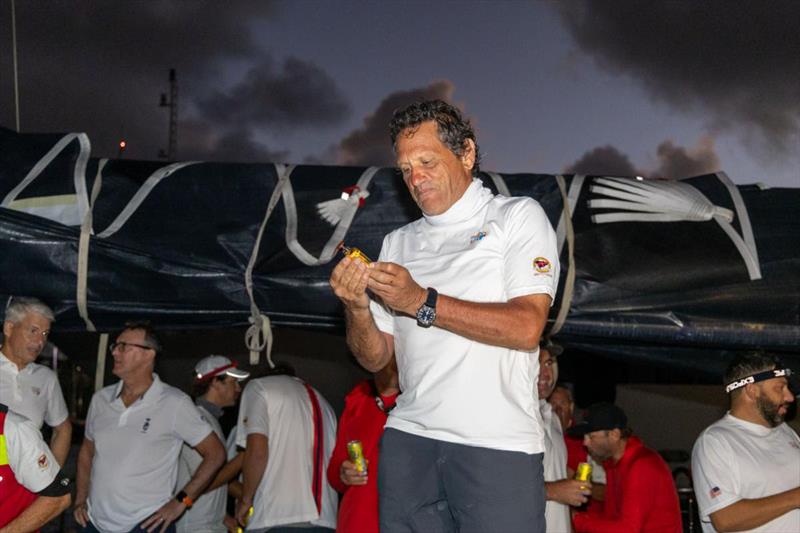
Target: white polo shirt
{"x":135,"y":463}
{"x":208,"y":511}
{"x":279,"y":408}
{"x":556,"y":514}
{"x":735,"y":460}
{"x":33,"y":392}
{"x":29,"y":457}
{"x":485,"y":248}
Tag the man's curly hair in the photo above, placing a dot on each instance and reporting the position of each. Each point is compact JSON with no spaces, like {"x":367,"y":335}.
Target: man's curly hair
{"x":454,"y":130}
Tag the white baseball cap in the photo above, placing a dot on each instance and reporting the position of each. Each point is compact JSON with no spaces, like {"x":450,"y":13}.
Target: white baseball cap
{"x":215,"y":365}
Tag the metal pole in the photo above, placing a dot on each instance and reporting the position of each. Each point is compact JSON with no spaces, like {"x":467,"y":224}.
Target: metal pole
{"x":14,"y":56}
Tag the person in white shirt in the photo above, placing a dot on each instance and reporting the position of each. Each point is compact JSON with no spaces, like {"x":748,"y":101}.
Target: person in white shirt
{"x":746,"y":466}
{"x":288,"y":431}
{"x":128,"y":463}
{"x":216,"y":386}
{"x":33,"y":490}
{"x":460,"y":297}
{"x":27,"y":388}
{"x":561,"y":490}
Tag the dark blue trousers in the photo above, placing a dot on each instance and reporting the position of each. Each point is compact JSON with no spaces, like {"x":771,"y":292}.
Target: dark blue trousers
{"x":432,"y":486}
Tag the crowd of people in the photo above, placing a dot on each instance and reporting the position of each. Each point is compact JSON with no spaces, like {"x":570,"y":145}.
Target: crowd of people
{"x":463,"y":426}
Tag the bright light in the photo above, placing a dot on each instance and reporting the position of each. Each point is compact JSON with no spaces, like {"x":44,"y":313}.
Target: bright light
{"x":639,"y":178}
{"x":122,"y":144}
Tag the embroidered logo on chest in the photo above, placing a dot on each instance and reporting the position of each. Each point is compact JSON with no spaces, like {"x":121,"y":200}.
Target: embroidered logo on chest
{"x":146,"y":425}
{"x":477,"y":237}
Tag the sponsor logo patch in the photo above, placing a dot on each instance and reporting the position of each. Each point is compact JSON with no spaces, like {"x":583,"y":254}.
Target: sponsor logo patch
{"x":714,"y":492}
{"x":42,"y":461}
{"x":541,"y":265}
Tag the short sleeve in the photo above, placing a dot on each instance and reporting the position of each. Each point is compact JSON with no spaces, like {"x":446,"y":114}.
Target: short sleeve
{"x":714,"y":474}
{"x":190,"y":425}
{"x":530,"y":255}
{"x":253,"y":415}
{"x":29,"y":457}
{"x":56,"y":411}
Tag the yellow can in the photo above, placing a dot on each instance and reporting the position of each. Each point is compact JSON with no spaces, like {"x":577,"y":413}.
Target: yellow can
{"x":356,"y":452}
{"x":584,"y":472}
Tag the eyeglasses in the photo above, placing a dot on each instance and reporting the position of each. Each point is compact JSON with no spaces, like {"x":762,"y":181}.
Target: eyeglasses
{"x":123,"y":346}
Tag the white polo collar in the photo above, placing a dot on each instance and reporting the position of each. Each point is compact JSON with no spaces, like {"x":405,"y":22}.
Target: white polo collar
{"x":151,"y":395}
{"x":474,"y":198}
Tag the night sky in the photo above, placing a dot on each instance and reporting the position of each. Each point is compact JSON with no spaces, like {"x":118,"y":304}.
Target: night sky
{"x":660,"y":89}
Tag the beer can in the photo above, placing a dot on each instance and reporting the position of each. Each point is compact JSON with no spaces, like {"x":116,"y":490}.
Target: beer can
{"x":356,"y":452}
{"x":240,"y":529}
{"x":584,"y":472}
{"x":354,"y":253}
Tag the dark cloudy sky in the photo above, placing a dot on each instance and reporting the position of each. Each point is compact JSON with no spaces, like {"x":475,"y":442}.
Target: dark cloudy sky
{"x":658,"y":88}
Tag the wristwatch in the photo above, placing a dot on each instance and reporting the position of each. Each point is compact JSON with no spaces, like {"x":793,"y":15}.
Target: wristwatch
{"x":426,"y":313}
{"x":184,"y":499}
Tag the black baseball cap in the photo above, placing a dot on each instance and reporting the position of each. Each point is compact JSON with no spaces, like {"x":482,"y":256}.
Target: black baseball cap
{"x":599,"y":417}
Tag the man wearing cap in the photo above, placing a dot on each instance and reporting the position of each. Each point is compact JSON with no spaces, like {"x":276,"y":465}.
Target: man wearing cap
{"x":560,"y":490}
{"x":26,"y":387}
{"x":33,"y":490}
{"x":128,"y":463}
{"x":288,"y":431}
{"x":746,"y":466}
{"x":215,"y":387}
{"x":640,"y":493}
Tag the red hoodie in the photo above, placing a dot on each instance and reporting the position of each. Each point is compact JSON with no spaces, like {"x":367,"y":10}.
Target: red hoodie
{"x":640,"y":496}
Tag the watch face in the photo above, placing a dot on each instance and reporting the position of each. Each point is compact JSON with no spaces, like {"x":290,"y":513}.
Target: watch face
{"x":426,"y":315}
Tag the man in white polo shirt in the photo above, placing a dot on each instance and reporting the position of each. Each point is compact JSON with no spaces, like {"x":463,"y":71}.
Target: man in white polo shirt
{"x":33,"y":490}
{"x":288,"y":432}
{"x":561,"y":490}
{"x":27,"y":388}
{"x":128,"y":463}
{"x":746,"y":466}
{"x":461,"y":297}
{"x":216,"y":386}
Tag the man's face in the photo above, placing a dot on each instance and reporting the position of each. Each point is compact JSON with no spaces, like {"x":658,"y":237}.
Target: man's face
{"x":128,"y":357}
{"x":548,"y":374}
{"x":773,"y":400}
{"x":600,"y":444}
{"x":228,"y":390}
{"x":562,"y":405}
{"x":435,"y":176}
{"x":24,"y":341}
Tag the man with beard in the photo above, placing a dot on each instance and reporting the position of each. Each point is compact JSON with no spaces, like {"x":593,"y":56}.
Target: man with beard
{"x":746,"y":466}
{"x":640,"y":492}
{"x":561,"y":491}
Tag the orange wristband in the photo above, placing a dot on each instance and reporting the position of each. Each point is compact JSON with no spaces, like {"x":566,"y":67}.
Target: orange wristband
{"x":184,"y":499}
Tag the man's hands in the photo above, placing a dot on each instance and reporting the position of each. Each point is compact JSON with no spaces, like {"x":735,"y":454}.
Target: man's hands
{"x":569,"y":491}
{"x":350,"y":475}
{"x":161,"y":519}
{"x":349,"y":283}
{"x":389,"y":281}
{"x":81,"y":513}
{"x":395,"y":286}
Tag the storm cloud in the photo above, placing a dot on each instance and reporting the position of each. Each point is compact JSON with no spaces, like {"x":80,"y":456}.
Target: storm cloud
{"x":671,"y":161}
{"x":369,"y":145}
{"x":102,"y":71}
{"x":735,"y":63}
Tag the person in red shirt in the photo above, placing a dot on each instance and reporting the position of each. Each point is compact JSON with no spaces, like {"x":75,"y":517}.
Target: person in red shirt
{"x":640,"y":492}
{"x":363,"y":418}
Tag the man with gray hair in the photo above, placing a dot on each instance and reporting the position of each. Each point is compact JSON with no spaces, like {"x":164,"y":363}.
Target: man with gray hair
{"x":746,"y":466}
{"x":27,"y":388}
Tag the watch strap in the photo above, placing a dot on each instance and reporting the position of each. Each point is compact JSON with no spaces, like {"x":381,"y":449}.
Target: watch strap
{"x":433,"y":296}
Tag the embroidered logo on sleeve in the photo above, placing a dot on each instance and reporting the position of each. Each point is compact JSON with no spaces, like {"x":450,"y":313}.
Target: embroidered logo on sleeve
{"x":714,"y":492}
{"x":42,"y":462}
{"x":542,"y":265}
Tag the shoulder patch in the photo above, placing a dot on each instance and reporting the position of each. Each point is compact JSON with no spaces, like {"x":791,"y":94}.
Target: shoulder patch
{"x":541,"y":265}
